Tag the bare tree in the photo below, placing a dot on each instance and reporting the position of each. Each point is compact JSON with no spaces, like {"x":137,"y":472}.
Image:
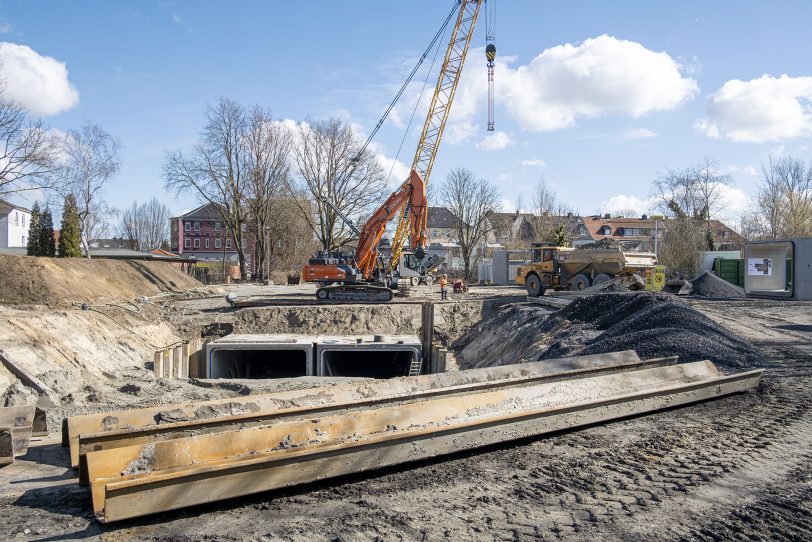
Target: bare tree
{"x":266,"y":160}
{"x":550,"y":213}
{"x":330,"y":166}
{"x":146,"y":225}
{"x":682,"y":246}
{"x":215,"y":170}
{"x":470,"y":200}
{"x":27,"y":151}
{"x":91,"y":160}
{"x":783,"y":203}
{"x":695,"y":193}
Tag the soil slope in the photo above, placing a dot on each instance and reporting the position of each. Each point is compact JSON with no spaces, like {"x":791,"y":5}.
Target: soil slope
{"x":26,"y":280}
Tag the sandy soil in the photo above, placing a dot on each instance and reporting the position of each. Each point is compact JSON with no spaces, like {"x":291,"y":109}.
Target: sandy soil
{"x":62,"y":281}
{"x":739,"y":468}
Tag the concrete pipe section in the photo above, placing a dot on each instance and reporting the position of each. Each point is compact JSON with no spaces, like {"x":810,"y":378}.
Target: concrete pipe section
{"x":260,"y":356}
{"x":370,"y":356}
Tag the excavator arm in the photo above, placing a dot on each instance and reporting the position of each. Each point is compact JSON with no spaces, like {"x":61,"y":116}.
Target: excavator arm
{"x":413,"y":194}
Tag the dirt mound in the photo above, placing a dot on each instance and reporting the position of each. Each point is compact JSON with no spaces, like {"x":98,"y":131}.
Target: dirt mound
{"x":655,"y":325}
{"x":28,"y":280}
{"x":709,"y":285}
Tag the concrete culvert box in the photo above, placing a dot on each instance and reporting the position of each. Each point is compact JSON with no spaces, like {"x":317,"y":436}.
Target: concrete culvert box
{"x":370,"y":356}
{"x":260,"y":356}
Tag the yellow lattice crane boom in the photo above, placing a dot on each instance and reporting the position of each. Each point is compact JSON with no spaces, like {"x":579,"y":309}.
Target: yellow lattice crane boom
{"x":437,"y":116}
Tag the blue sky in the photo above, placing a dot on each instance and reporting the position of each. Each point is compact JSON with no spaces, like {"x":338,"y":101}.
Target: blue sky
{"x":599,"y":97}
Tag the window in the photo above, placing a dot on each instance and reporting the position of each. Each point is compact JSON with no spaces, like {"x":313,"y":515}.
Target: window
{"x":187,"y":226}
{"x":16,"y":218}
{"x":197,"y":226}
{"x":244,"y":243}
{"x":217,"y":243}
{"x":605,"y":230}
{"x":228,"y":243}
{"x":216,"y":226}
{"x":207,"y":242}
{"x":24,"y":243}
{"x":23,"y":220}
{"x":187,"y":243}
{"x":197,"y":243}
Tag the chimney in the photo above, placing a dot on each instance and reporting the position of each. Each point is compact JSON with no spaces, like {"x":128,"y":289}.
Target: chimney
{"x":645,"y":217}
{"x":569,"y":215}
{"x":607,"y":216}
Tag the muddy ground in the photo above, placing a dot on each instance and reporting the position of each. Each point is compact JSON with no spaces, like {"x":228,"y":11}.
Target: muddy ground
{"x":739,"y":468}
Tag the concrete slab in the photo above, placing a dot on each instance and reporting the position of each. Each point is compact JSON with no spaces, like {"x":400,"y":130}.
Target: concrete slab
{"x":370,"y":356}
{"x":260,"y":356}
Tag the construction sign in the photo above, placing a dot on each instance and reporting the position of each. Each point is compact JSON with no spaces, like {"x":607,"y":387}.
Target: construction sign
{"x":655,"y":278}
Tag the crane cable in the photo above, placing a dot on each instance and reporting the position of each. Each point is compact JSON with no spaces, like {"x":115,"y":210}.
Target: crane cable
{"x":414,"y":109}
{"x":437,"y":36}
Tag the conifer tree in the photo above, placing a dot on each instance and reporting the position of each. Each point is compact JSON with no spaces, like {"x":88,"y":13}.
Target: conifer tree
{"x":32,"y":246}
{"x":47,"y":246}
{"x":69,"y":236}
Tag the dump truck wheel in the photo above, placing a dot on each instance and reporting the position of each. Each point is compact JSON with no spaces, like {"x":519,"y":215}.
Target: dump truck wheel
{"x":579,"y":282}
{"x":601,"y":277}
{"x":534,"y":286}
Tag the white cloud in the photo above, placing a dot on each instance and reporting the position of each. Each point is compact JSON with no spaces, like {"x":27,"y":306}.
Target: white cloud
{"x":6,"y":28}
{"x":495,"y":142}
{"x":534,"y":162}
{"x":638,"y":133}
{"x":601,"y":76}
{"x":745,"y":170}
{"x":39,"y":83}
{"x":732,"y":202}
{"x":759,"y":110}
{"x":623,"y":203}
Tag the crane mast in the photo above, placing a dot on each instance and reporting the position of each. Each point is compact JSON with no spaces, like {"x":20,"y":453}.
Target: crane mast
{"x":436,"y":119}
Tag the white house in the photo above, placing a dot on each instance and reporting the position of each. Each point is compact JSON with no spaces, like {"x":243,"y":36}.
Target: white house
{"x":14,"y":223}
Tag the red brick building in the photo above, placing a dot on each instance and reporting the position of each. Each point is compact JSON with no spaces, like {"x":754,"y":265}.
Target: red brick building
{"x":201,"y":233}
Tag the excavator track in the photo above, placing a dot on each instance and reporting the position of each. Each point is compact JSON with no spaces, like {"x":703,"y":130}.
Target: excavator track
{"x":355,"y":293}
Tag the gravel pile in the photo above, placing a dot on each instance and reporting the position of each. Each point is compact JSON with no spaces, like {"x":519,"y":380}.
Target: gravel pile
{"x":709,"y":285}
{"x":654,"y":325}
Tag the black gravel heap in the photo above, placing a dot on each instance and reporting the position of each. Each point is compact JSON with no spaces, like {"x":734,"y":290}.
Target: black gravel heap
{"x":655,"y":325}
{"x":709,"y":285}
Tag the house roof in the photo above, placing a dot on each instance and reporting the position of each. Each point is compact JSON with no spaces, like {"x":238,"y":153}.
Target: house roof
{"x":440,"y":217}
{"x":207,"y":211}
{"x":6,"y":206}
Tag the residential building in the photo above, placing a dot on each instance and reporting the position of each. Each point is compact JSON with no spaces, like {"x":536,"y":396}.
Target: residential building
{"x":638,"y":233}
{"x":202,"y":234}
{"x":520,"y":230}
{"x":14,"y":224}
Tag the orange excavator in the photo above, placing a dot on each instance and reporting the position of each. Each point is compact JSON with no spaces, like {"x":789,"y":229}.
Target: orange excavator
{"x":366,"y":276}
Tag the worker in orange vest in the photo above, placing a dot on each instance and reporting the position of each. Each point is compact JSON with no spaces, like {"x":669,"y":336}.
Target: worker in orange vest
{"x":443,"y":284}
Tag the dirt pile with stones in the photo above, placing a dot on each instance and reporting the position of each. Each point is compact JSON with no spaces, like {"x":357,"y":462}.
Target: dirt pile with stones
{"x":709,"y":285}
{"x":654,"y":325}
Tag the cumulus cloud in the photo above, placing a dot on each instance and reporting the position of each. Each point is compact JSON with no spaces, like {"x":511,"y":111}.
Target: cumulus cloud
{"x":601,"y":76}
{"x":760,"y":110}
{"x":40,"y":83}
{"x":628,"y":205}
{"x":495,"y":142}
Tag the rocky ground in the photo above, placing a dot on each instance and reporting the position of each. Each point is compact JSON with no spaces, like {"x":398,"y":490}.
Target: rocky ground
{"x":739,"y":468}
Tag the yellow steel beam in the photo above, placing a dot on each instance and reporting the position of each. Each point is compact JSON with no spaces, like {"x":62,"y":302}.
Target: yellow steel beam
{"x":111,"y":422}
{"x":139,"y":480}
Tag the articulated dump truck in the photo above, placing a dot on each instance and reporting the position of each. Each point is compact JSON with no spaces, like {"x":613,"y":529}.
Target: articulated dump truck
{"x":151,"y":460}
{"x":562,"y":268}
